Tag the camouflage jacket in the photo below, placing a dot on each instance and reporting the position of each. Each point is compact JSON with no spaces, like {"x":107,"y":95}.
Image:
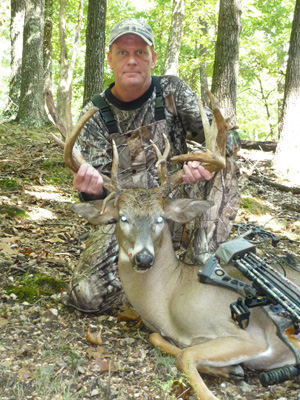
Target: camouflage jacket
{"x":135,"y":123}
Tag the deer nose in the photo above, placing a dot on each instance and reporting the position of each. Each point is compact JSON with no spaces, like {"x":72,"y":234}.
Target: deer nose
{"x":144,"y":259}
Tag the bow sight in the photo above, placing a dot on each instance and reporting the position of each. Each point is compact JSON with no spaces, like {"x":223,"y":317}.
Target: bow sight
{"x":269,"y":288}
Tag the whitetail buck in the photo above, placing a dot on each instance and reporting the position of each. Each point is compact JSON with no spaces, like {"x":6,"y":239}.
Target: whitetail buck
{"x":166,"y":293}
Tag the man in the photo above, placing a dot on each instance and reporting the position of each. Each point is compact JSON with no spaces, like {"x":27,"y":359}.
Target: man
{"x":134,"y":109}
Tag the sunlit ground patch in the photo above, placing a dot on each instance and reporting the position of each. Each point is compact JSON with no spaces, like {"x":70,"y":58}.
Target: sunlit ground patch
{"x":263,"y":213}
{"x":49,"y":192}
{"x":38,"y":213}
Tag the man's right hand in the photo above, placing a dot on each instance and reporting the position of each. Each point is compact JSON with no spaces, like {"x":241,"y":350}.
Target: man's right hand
{"x":89,"y":181}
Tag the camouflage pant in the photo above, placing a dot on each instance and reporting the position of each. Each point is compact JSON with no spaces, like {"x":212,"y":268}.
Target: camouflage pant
{"x":95,"y":286}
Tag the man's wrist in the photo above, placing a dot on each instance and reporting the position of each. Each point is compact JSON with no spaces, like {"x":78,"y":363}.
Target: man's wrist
{"x":88,"y":197}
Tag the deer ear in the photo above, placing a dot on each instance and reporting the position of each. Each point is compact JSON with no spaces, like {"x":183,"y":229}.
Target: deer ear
{"x":91,"y":211}
{"x":184,"y":210}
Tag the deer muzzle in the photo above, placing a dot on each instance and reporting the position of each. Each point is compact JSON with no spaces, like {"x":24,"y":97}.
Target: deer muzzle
{"x":143,"y":260}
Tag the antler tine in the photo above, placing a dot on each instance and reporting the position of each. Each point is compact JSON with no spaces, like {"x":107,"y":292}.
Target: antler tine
{"x":213,"y":159}
{"x":74,"y":162}
{"x":161,"y":163}
{"x":222,"y":127}
{"x":115,"y":166}
{"x":70,"y":162}
{"x":168,"y":182}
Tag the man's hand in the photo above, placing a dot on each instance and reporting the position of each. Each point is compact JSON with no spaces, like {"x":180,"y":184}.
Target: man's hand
{"x":194,"y":172}
{"x":89,"y":181}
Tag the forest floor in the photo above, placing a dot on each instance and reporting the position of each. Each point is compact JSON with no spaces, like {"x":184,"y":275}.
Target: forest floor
{"x":44,"y":352}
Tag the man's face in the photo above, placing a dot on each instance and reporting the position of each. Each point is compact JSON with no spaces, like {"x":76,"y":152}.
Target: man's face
{"x":131,"y":60}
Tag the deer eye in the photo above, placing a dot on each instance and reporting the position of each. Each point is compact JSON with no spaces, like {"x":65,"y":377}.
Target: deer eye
{"x":123,"y":218}
{"x":159,"y":220}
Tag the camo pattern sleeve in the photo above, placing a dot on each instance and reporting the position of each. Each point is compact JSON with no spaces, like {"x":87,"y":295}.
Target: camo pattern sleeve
{"x":187,"y":109}
{"x":94,"y":142}
{"x":233,"y":143}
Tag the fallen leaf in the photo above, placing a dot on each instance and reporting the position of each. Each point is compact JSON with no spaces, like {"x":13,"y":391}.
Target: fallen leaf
{"x":4,"y":248}
{"x":103,"y":365}
{"x":52,"y":240}
{"x":95,"y":392}
{"x":95,"y":337}
{"x":99,"y":359}
{"x":181,"y":390}
{"x":110,"y":366}
{"x":9,"y":239}
{"x":95,"y":354}
{"x":25,"y":374}
{"x":3,"y":322}
{"x":128,"y":315}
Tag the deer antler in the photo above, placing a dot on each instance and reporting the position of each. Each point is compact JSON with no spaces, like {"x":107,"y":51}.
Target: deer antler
{"x":70,"y":161}
{"x":111,"y":184}
{"x":214,"y":157}
{"x":161,"y":163}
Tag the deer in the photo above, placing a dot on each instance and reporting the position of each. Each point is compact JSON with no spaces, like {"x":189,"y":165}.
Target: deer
{"x":188,"y":319}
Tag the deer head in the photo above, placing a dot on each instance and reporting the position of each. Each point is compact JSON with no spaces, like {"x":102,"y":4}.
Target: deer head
{"x":141,"y":214}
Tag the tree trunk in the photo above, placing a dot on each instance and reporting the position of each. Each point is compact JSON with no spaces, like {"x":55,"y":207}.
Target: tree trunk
{"x":48,"y":45}
{"x":64,"y":91}
{"x":202,"y":67}
{"x":95,"y":49}
{"x":224,"y":82}
{"x":174,"y":42}
{"x":16,"y":36}
{"x":280,"y":88}
{"x":32,"y":100}
{"x":288,"y":150}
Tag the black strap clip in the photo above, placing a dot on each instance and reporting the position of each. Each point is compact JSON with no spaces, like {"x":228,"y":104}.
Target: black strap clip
{"x":240,"y":313}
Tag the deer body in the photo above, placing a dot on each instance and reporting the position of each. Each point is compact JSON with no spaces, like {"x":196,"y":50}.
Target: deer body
{"x":166,"y":292}
{"x":173,"y":303}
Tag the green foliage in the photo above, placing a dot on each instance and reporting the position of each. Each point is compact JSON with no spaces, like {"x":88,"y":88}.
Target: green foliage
{"x":78,"y":76}
{"x":171,"y":380}
{"x":49,"y":164}
{"x":160,"y":27}
{"x":55,"y":171}
{"x":266,"y":26}
{"x":31,"y":288}
{"x":12,"y":211}
{"x":253,"y":120}
{"x":9,"y":184}
{"x":74,"y":360}
{"x":49,"y":385}
{"x":264,"y":43}
{"x":194,"y":38}
{"x":164,"y":363}
{"x":253,"y":205}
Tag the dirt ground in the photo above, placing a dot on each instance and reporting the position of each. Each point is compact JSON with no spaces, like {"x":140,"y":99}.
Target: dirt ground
{"x":44,"y":350}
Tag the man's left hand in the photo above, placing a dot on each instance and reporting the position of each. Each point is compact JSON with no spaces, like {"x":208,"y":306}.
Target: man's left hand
{"x":195,"y":172}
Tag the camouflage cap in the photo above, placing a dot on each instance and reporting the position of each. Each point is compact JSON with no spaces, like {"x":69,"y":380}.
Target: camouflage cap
{"x":132,"y":25}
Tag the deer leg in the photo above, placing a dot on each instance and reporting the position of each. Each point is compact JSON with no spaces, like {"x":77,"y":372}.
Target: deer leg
{"x":163,"y":345}
{"x":235,"y":372}
{"x":184,"y":366}
{"x":229,"y":372}
{"x":220,"y":352}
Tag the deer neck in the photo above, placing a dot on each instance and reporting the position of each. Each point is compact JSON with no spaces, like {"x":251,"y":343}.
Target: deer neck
{"x":154,"y":282}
